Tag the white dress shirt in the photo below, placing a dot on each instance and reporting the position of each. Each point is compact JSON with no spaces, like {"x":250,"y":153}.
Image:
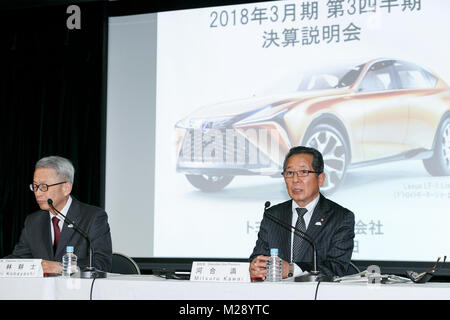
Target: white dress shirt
{"x":61,"y":219}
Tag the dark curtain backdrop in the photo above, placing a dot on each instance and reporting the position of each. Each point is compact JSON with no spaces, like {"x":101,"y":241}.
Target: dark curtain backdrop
{"x":51,"y":103}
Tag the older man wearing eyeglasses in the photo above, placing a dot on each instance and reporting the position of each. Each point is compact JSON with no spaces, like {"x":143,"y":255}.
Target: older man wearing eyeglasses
{"x":329,"y":225}
{"x":45,"y":235}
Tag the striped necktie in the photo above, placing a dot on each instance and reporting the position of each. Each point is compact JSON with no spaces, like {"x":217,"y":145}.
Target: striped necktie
{"x":300,"y":225}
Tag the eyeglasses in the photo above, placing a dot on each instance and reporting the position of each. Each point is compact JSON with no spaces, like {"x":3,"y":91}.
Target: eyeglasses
{"x":43,"y":187}
{"x":299,"y":173}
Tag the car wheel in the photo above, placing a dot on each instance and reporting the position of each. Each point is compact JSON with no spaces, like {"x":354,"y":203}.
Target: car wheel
{"x":209,"y":183}
{"x":439,"y":163}
{"x":330,"y":142}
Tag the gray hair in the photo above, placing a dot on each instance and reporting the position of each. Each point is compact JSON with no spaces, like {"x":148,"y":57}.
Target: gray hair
{"x":62,"y":166}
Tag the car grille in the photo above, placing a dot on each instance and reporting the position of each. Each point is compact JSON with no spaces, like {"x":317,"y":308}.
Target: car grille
{"x":224,"y":148}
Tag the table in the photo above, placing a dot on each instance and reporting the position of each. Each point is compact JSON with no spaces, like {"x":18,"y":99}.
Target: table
{"x":149,"y":287}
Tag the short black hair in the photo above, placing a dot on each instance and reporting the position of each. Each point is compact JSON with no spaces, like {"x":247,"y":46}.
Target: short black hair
{"x":317,"y":162}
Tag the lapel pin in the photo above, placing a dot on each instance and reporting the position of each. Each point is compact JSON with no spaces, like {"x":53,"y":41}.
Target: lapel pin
{"x":318,"y":223}
{"x":70,"y":226}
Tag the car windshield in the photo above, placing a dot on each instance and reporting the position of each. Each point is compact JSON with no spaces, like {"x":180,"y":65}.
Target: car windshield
{"x":333,"y":78}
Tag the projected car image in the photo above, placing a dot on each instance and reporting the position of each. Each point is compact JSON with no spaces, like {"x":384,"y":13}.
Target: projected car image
{"x":358,"y":115}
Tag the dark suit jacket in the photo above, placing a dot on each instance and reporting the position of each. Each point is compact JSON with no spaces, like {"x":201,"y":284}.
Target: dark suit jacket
{"x":35,"y":241}
{"x":333,"y":238}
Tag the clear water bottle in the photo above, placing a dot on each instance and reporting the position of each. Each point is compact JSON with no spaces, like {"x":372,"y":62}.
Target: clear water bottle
{"x":274,"y":265}
{"x":69,"y":262}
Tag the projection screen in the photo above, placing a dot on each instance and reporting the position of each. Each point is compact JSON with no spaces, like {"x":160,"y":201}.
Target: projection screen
{"x":203,"y":104}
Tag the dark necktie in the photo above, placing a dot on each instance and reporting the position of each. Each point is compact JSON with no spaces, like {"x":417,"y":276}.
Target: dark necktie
{"x":57,"y":233}
{"x":297,"y":243}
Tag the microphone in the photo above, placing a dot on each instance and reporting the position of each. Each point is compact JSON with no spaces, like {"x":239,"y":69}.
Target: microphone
{"x":88,"y":272}
{"x":314,"y":274}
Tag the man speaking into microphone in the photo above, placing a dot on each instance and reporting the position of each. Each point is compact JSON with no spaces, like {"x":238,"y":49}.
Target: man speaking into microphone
{"x":327,"y":224}
{"x":45,"y":235}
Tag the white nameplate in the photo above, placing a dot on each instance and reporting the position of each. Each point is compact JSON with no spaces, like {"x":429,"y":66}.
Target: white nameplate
{"x":21,"y":268}
{"x":220,"y":271}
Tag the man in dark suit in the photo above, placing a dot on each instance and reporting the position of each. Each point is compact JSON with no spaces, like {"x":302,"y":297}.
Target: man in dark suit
{"x":329,"y":225}
{"x":45,"y":235}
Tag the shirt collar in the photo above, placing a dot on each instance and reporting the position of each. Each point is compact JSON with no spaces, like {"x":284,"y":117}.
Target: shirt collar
{"x":310,"y":206}
{"x":63,"y":211}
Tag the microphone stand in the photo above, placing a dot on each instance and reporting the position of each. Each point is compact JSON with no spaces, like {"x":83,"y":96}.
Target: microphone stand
{"x":313,"y":275}
{"x":88,"y":272}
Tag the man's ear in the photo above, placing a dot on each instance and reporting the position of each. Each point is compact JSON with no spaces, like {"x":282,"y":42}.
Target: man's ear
{"x":67,"y":188}
{"x":321,"y":178}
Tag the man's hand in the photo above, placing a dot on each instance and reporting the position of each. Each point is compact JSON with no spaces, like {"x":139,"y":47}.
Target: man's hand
{"x":258,"y":267}
{"x":285,"y":269}
{"x":51,"y":266}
